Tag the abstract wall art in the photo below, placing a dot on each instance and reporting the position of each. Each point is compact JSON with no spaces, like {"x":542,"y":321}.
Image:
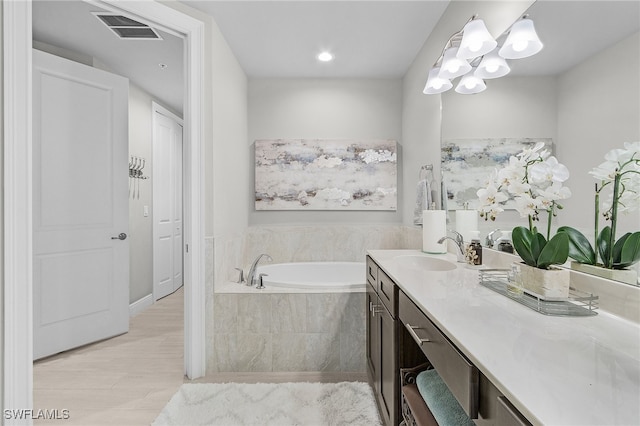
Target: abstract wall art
{"x":326,"y":174}
{"x":467,"y":163}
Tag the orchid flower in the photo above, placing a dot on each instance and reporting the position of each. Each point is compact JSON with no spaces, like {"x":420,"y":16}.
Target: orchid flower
{"x":533,"y":178}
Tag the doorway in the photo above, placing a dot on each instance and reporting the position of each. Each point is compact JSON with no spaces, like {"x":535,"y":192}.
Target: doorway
{"x":17,"y":109}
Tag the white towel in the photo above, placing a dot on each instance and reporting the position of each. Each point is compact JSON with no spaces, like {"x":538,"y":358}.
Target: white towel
{"x":423,"y":200}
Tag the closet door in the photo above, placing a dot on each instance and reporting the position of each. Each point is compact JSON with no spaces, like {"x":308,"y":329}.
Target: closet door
{"x":167,"y":203}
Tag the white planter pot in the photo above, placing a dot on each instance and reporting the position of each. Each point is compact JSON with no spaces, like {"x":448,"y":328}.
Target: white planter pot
{"x":551,"y":283}
{"x":623,"y":275}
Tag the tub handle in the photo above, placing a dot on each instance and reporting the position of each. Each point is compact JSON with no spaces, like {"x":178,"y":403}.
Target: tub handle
{"x":240,"y":275}
{"x":260,"y":286}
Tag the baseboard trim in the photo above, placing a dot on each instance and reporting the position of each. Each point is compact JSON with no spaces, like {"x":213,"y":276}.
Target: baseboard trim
{"x":140,"y":305}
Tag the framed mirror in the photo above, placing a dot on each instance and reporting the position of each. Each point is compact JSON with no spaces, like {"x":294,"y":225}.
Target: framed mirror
{"x":582,"y":92}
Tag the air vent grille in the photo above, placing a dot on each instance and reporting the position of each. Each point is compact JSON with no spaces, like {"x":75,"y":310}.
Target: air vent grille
{"x":127,"y":28}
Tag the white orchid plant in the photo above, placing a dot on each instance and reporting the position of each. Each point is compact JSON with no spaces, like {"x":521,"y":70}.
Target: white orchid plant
{"x":621,"y":173}
{"x":534,"y":179}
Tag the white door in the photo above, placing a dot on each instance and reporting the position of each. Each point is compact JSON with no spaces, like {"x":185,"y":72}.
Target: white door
{"x":167,"y":202}
{"x":80,"y":204}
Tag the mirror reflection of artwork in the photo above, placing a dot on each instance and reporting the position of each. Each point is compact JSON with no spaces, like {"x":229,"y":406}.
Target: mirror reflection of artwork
{"x":326,"y":174}
{"x":467,"y":163}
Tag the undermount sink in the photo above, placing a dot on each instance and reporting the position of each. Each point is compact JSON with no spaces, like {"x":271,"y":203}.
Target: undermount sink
{"x":424,"y":263}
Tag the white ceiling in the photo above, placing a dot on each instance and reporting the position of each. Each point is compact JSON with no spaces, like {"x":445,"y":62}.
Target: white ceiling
{"x":281,"y":38}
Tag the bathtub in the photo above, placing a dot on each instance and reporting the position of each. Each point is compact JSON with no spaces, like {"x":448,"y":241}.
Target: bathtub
{"x":315,"y":276}
{"x":319,"y":308}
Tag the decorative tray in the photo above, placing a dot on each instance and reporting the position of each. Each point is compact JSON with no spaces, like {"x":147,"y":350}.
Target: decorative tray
{"x":578,"y":303}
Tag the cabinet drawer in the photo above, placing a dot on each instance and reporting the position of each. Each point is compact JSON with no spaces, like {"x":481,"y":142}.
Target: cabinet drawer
{"x":387,"y":292}
{"x":372,"y":272}
{"x":508,"y":415}
{"x":460,"y":376}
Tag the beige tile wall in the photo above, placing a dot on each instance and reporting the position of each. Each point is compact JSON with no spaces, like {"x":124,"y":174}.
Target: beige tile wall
{"x":289,"y":332}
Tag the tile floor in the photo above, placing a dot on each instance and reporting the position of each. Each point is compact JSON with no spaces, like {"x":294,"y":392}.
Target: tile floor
{"x":127,"y":380}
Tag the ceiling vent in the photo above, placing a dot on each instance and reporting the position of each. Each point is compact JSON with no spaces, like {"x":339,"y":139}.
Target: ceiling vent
{"x":126,"y":28}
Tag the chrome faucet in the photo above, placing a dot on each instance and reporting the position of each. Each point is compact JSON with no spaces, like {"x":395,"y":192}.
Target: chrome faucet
{"x":459,"y":240}
{"x":251,"y":278}
{"x":489,"y":241}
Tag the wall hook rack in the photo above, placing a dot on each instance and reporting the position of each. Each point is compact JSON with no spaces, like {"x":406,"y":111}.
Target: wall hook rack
{"x":136,"y":165}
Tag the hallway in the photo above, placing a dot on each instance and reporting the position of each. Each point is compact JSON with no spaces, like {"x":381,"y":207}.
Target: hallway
{"x":125,"y":380}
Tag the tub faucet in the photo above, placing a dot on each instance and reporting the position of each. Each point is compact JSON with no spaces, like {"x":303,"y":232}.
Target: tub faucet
{"x":459,"y":240}
{"x":251,"y":278}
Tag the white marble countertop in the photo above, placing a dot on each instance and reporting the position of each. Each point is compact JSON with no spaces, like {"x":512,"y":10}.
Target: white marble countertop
{"x":554,"y":370}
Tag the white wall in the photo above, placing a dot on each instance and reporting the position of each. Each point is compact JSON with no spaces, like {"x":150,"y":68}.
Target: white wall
{"x":595,"y":115}
{"x":228,"y":155}
{"x":323,"y":108}
{"x":421,"y":113}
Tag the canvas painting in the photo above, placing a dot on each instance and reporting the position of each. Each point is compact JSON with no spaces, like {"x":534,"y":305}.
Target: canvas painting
{"x":326,"y":174}
{"x":467,"y":163}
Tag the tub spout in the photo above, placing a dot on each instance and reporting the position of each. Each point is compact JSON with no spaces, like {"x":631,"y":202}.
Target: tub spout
{"x":251,"y":277}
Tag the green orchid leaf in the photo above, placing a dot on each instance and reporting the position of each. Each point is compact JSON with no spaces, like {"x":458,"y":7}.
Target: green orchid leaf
{"x":522,"y":238}
{"x":603,"y":245}
{"x":555,"y":252}
{"x":580,"y":249}
{"x":537,"y":244}
{"x":631,"y":250}
{"x":617,"y":248}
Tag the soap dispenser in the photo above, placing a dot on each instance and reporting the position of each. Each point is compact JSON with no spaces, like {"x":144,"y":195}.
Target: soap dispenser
{"x":474,"y":251}
{"x":504,"y":242}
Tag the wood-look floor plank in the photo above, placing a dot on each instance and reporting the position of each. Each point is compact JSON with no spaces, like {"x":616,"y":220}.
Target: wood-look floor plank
{"x":126,"y":380}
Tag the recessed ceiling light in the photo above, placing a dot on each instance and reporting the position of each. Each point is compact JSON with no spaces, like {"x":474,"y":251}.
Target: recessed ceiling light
{"x":325,"y":57}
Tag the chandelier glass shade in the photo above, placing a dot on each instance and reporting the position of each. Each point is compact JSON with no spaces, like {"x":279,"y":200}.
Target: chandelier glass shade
{"x":522,"y":41}
{"x":452,"y":66}
{"x":476,"y":40}
{"x":436,"y":84}
{"x":473,"y":54}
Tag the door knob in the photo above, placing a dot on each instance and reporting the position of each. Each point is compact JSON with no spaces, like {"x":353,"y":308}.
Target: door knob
{"x":121,"y":236}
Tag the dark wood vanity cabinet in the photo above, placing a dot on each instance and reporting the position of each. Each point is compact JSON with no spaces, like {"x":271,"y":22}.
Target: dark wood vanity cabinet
{"x":382,"y":359}
{"x":401,"y":336}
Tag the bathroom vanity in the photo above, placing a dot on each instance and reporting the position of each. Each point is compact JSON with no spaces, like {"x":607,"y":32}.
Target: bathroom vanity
{"x":504,"y":363}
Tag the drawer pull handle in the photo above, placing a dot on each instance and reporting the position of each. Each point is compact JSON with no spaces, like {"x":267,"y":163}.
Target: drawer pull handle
{"x":412,"y":331}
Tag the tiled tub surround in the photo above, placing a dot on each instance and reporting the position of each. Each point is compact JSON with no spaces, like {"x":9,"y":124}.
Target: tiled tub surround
{"x":308,"y":243}
{"x":258,"y":331}
{"x":253,"y":330}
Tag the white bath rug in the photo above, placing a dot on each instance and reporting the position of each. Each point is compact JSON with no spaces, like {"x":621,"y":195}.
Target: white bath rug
{"x":281,"y":404}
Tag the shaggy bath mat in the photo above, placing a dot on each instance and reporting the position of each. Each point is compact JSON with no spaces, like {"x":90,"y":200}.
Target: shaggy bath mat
{"x":311,"y":404}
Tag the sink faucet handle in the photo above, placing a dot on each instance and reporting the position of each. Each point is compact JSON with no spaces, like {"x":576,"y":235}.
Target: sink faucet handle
{"x":489,"y":241}
{"x":459,"y":237}
{"x":260,"y":285}
{"x":240,"y":275}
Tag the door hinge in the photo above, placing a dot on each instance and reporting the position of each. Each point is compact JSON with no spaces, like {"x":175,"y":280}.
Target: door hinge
{"x":187,"y":247}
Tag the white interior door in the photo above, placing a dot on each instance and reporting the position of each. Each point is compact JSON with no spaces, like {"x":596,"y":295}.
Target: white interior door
{"x":80,"y":204}
{"x":167,"y":203}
